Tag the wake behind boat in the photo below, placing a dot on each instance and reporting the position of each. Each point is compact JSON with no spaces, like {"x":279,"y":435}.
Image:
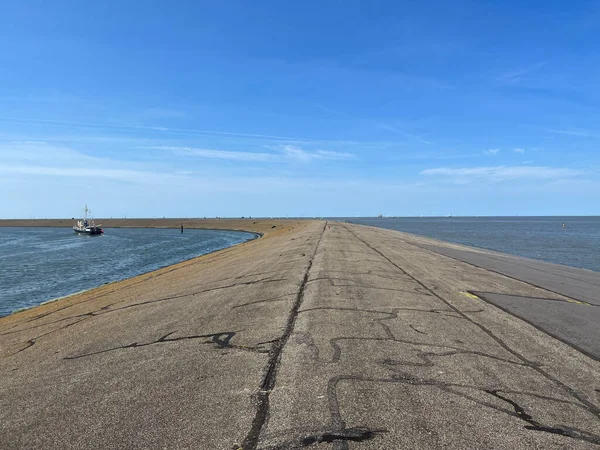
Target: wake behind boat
{"x":87,"y":225}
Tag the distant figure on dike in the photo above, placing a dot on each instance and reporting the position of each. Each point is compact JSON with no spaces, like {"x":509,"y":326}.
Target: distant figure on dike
{"x":182,"y":228}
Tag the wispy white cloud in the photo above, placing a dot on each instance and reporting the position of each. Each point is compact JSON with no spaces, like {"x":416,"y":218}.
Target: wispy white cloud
{"x":378,"y":124}
{"x":298,"y":154}
{"x":37,"y":158}
{"x":400,"y":132}
{"x":84,"y":172}
{"x":160,"y":129}
{"x":217,"y":154}
{"x":498,"y":173}
{"x":283,"y":153}
{"x":325,"y":154}
{"x":492,"y":151}
{"x":518,"y":150}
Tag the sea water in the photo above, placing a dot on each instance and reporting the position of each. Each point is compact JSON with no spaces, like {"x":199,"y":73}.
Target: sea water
{"x":577,"y":244}
{"x":39,"y":264}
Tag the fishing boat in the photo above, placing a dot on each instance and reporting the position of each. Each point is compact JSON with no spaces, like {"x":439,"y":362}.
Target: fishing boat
{"x":87,"y":225}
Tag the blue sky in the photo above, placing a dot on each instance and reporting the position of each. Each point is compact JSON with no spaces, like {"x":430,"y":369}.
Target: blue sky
{"x":195,"y":109}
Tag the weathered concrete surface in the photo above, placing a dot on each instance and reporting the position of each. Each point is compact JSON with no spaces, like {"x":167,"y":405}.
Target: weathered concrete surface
{"x":169,"y":359}
{"x":323,"y":337}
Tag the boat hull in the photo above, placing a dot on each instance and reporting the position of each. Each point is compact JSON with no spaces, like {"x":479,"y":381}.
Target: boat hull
{"x":89,"y":231}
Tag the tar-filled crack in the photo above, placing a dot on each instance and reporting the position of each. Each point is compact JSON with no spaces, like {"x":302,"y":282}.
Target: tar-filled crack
{"x":30,"y":343}
{"x":533,"y":425}
{"x":349,"y":434}
{"x":221,"y":340}
{"x":279,"y":298}
{"x":536,"y":426}
{"x":268,"y":383}
{"x":418,"y":331}
{"x":354,"y":434}
{"x":107,"y":310}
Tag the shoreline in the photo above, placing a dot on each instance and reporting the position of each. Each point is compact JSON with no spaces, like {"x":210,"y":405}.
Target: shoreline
{"x":107,"y":283}
{"x":250,"y":228}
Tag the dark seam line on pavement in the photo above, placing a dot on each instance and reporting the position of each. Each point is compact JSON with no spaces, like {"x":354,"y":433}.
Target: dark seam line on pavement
{"x":418,"y":331}
{"x":218,"y":288}
{"x":30,"y":343}
{"x":589,"y":406}
{"x":220,"y":339}
{"x":268,"y":383}
{"x":105,"y":310}
{"x":488,"y":270}
{"x":481,"y":295}
{"x":4,"y":330}
{"x":337,"y":351}
{"x":536,"y":426}
{"x":356,"y":434}
{"x":267,"y":300}
{"x":48,"y":323}
{"x":401,"y":378}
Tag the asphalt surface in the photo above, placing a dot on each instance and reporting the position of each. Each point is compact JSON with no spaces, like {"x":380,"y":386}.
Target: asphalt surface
{"x":580,"y":284}
{"x":573,"y":322}
{"x":328,"y":336}
{"x":573,"y":317}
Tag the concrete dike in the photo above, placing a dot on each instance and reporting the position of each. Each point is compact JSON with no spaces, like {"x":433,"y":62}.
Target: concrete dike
{"x":317,"y":335}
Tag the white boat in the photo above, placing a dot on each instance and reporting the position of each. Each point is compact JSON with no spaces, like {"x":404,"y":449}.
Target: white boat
{"x":87,"y":225}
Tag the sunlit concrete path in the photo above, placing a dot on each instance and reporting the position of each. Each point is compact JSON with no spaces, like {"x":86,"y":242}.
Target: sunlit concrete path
{"x":318,"y":335}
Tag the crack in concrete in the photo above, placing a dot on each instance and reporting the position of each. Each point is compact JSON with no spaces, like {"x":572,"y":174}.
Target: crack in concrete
{"x":354,"y":434}
{"x":584,"y":403}
{"x":262,"y":396}
{"x":418,"y":331}
{"x":536,"y":426}
{"x":268,"y":300}
{"x":339,"y":423}
{"x":221,"y":340}
{"x":105,"y":310}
